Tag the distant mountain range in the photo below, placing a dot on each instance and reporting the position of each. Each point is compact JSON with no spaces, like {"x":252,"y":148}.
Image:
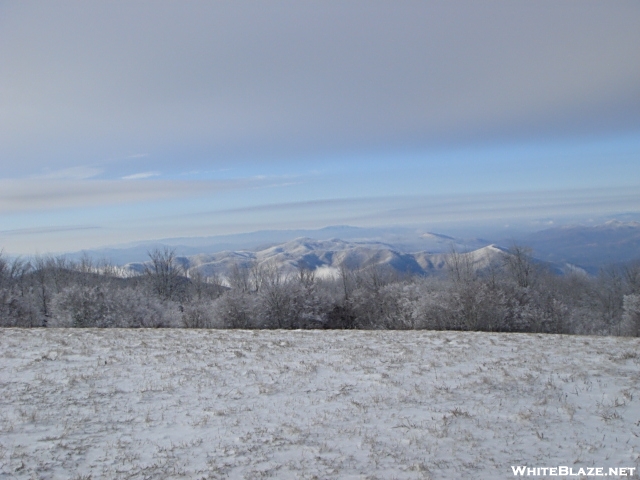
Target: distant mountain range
{"x":326,"y":258}
{"x":403,"y":239}
{"x":591,"y":247}
{"x":405,"y":250}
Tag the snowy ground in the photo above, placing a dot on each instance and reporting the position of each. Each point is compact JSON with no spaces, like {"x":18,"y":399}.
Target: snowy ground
{"x":313,"y":404}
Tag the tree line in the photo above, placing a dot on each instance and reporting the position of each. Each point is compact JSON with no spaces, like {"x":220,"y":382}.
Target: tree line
{"x":515,"y":294}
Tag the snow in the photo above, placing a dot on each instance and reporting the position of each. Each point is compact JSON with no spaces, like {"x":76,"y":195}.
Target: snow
{"x":313,"y":404}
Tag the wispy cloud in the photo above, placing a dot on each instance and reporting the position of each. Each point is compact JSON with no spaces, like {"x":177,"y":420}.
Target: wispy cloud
{"x":73,"y":173}
{"x":48,"y":230}
{"x":20,"y":196}
{"x":45,"y":194}
{"x":142,"y":175}
{"x":138,"y":155}
{"x":282,"y":184}
{"x":423,"y":209}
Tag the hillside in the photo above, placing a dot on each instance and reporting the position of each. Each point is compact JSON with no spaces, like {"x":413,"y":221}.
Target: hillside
{"x":158,"y":403}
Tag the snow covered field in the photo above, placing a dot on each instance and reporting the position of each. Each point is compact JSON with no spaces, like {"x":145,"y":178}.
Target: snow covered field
{"x":313,"y":404}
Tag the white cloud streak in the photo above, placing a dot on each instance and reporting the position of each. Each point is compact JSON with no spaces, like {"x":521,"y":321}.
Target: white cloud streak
{"x":72,"y":173}
{"x":47,"y":230}
{"x":140,"y":176}
{"x":441,"y":209}
{"x":23,"y":195}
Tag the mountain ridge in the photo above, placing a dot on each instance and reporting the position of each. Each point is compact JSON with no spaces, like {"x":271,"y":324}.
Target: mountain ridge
{"x":582,"y":246}
{"x":327,"y":257}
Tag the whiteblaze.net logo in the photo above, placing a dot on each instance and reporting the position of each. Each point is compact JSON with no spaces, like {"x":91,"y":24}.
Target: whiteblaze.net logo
{"x":563,"y":471}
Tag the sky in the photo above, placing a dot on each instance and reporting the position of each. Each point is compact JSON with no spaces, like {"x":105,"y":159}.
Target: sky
{"x":128,"y":121}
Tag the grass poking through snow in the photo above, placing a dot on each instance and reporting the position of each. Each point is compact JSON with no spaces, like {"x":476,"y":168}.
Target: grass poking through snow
{"x":312,"y":404}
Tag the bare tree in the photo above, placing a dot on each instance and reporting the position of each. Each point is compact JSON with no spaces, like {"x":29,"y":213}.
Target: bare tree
{"x":519,"y":264}
{"x":459,"y":267}
{"x":198,"y":282}
{"x":165,"y":274}
{"x":235,"y":309}
{"x":305,"y":275}
{"x":276,"y":298}
{"x":42,"y":276}
{"x":609,"y":294}
{"x":346,"y":280}
{"x":258,"y":274}
{"x":631,"y":315}
{"x":239,"y":278}
{"x":632,"y":276}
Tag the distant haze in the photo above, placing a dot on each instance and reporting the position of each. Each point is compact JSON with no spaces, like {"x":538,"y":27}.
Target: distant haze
{"x":126,"y":121}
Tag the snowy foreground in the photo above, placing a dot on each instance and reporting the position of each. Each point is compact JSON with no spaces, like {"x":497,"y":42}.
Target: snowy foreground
{"x":313,"y":404}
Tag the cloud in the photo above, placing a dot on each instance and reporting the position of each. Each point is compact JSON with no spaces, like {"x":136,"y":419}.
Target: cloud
{"x":48,"y":230}
{"x":343,"y":88}
{"x":139,"y":176}
{"x":72,"y":173}
{"x":425,"y":209}
{"x":223,"y":80}
{"x":301,"y":205}
{"x":41,"y":195}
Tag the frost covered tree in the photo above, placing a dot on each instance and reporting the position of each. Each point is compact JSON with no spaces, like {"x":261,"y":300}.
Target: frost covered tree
{"x":520,"y":266}
{"x":105,"y":306}
{"x":275,"y":298}
{"x":79,"y":306}
{"x":631,"y":315}
{"x":165,"y":274}
{"x":235,"y":309}
{"x":199,"y":315}
{"x":18,"y":303}
{"x":239,"y":277}
{"x":311,"y":301}
{"x":632,"y":276}
{"x":467,"y":298}
{"x":510,"y":295}
{"x":609,"y":296}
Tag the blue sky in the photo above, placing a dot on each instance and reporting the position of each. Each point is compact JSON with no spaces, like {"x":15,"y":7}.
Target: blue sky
{"x":134,"y":121}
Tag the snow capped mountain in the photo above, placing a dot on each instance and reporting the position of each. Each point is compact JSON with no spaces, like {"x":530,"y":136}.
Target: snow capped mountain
{"x":403,"y":249}
{"x":326,"y":257}
{"x":403,"y":239}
